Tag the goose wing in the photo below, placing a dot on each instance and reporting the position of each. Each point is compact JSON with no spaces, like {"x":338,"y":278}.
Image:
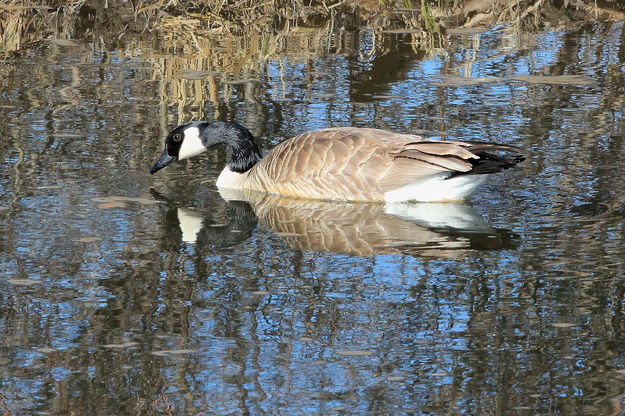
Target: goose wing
{"x":362,"y":164}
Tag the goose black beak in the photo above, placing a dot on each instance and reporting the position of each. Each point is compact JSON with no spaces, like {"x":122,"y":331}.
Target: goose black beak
{"x":162,"y":161}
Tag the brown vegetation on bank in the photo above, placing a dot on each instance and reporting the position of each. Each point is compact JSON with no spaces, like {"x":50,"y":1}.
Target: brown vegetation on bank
{"x":23,"y":22}
{"x":205,"y":49}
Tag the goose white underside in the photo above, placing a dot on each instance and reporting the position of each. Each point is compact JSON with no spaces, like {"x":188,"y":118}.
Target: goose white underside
{"x":436,"y":189}
{"x":432,"y":189}
{"x":229,"y":179}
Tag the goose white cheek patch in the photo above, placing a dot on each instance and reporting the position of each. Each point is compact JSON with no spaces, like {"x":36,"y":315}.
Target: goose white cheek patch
{"x":191,"y":144}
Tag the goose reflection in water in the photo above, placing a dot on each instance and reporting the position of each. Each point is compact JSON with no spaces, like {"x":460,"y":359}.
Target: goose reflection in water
{"x":224,"y":224}
{"x":445,"y":230}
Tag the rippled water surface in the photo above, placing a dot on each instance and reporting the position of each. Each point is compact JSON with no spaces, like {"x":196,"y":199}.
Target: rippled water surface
{"x":125,"y":293}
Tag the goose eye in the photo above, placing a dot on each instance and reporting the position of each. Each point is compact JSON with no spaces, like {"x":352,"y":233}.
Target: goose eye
{"x":177,"y":137}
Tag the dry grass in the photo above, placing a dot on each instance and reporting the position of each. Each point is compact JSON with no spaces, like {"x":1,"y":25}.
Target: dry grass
{"x":25,"y":21}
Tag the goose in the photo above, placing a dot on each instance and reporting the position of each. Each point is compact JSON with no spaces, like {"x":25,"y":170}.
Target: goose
{"x":344,"y":163}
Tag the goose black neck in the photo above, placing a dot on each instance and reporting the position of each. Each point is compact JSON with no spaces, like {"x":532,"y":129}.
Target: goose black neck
{"x":240,"y":141}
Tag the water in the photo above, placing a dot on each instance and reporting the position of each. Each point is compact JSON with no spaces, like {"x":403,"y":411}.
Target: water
{"x":125,"y":293}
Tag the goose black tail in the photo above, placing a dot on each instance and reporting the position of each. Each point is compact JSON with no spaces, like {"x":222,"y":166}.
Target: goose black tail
{"x":490,"y":163}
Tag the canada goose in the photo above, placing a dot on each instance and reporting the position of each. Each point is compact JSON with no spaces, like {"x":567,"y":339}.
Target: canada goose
{"x":344,"y":163}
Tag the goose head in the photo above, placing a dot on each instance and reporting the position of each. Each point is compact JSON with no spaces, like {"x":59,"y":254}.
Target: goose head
{"x":195,"y":137}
